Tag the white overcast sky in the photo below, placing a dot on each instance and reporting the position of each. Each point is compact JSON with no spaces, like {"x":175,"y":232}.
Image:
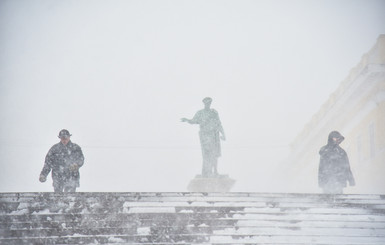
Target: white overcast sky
{"x":119,"y":75}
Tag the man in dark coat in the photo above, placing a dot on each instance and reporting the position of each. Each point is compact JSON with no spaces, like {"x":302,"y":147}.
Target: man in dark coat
{"x":211,"y":131}
{"x":64,"y":159}
{"x":334,"y":169}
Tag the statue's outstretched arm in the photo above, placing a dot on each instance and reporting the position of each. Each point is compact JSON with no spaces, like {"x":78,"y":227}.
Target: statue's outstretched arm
{"x":191,"y":121}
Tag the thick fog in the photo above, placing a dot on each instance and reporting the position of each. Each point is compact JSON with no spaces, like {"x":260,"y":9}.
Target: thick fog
{"x":119,"y":75}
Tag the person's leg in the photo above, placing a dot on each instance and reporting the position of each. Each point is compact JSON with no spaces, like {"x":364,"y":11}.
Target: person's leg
{"x":58,"y":186}
{"x":70,"y":189}
{"x":70,"y":185}
{"x":338,"y":190}
{"x":328,"y":188}
{"x":332,"y":189}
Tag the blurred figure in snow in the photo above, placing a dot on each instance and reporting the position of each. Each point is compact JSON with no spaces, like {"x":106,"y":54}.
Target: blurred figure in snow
{"x":334,"y":169}
{"x":210,"y":133}
{"x":64,"y":159}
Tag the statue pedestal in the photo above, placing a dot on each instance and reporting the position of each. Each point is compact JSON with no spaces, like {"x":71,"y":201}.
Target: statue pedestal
{"x":220,"y":183}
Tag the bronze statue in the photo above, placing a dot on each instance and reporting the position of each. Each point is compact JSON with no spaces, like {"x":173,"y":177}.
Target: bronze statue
{"x":211,"y":131}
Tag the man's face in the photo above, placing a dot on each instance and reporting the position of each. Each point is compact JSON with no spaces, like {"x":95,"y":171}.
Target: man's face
{"x":336,"y":140}
{"x":65,"y":140}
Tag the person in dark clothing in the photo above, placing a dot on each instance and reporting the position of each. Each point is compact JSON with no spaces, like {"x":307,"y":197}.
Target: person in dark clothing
{"x":211,"y":131}
{"x":64,"y":160}
{"x":334,"y":169}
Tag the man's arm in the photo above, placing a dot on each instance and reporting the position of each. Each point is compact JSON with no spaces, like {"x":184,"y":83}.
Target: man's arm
{"x":351,"y":180}
{"x":47,"y":166}
{"x":78,"y":159}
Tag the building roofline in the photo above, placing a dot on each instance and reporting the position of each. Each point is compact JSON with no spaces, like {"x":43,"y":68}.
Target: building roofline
{"x":376,"y":55}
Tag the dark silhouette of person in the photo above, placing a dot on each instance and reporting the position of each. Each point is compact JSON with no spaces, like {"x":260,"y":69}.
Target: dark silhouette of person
{"x":64,"y":159}
{"x":211,"y":131}
{"x":334,"y":169}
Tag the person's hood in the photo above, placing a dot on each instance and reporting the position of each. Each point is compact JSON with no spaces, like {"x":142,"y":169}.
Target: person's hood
{"x":335,"y":134}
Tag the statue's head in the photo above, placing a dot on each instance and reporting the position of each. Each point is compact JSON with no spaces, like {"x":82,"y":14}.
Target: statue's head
{"x":207,"y":101}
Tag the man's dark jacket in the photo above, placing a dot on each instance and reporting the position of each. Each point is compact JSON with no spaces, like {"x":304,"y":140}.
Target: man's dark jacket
{"x":59,"y":159}
{"x":334,"y":168}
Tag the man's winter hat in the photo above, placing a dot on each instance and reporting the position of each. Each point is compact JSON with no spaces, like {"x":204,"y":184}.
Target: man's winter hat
{"x":64,"y":133}
{"x":335,"y":134}
{"x":207,"y":100}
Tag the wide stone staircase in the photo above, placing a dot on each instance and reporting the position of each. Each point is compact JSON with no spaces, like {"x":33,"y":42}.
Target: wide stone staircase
{"x":191,"y":218}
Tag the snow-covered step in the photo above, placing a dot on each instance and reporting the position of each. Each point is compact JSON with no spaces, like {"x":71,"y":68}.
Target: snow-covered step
{"x":31,"y":206}
{"x":191,"y":218}
{"x":193,"y":197}
{"x":200,"y":239}
{"x":175,"y":230}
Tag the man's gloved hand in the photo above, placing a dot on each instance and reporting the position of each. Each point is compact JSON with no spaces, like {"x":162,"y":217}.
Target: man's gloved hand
{"x":42,"y":178}
{"x":74,"y":167}
{"x":352,"y":182}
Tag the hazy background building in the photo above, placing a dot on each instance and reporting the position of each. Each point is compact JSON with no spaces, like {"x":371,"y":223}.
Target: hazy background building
{"x":357,"y":110}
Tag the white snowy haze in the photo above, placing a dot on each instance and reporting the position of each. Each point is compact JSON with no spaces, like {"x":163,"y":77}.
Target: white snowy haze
{"x":119,"y":75}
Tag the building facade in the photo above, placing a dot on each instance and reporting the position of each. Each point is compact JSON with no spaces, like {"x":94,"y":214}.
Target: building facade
{"x":357,"y":110}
